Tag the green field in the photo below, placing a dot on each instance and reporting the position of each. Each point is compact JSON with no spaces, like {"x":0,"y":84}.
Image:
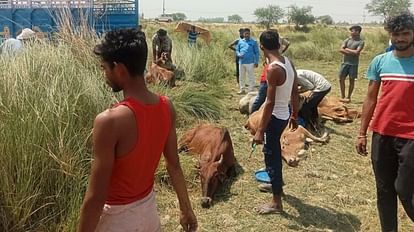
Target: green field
{"x":50,"y":94}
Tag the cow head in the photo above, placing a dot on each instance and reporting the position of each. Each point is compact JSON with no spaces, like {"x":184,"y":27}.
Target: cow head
{"x":253,"y":121}
{"x":212,"y":176}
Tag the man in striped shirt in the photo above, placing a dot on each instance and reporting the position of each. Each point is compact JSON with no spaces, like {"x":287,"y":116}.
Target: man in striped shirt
{"x":392,"y":114}
{"x":192,"y":36}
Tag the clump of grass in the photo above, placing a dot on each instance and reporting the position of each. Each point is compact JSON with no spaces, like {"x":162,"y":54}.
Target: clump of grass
{"x":47,"y":104}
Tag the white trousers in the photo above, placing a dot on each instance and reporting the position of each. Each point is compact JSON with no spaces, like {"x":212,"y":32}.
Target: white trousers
{"x":247,"y":72}
{"x":138,"y":216}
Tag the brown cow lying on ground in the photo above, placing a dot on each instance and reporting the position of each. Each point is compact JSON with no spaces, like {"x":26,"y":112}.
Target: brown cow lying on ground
{"x":293,"y":143}
{"x":216,"y":157}
{"x":331,"y":108}
{"x":158,"y":74}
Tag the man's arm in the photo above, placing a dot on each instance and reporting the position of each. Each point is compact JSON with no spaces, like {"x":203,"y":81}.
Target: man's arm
{"x":355,"y":52}
{"x":343,"y":48}
{"x":285,"y":44}
{"x":169,"y":53}
{"x":294,"y":97}
{"x":239,"y":50}
{"x":368,"y":108}
{"x":273,"y":77}
{"x":104,"y":142}
{"x":256,"y":54}
{"x":187,"y":219}
{"x":154,"y":49}
{"x":232,"y":45}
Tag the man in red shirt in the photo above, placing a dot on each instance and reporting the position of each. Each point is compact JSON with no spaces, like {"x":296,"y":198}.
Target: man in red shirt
{"x":391,"y":119}
{"x":128,"y":140}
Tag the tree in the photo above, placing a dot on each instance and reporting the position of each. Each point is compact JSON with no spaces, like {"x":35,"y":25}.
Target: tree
{"x":269,"y":15}
{"x":178,"y":16}
{"x":301,"y":16}
{"x":387,"y":8}
{"x":234,"y":18}
{"x":325,"y":19}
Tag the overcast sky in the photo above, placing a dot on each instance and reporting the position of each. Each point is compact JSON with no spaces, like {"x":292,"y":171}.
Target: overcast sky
{"x":352,"y":11}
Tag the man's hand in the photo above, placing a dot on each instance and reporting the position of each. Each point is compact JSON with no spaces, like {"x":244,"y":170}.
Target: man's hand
{"x":258,"y":137}
{"x":188,"y":221}
{"x":256,"y":65}
{"x":361,"y":145}
{"x":293,"y":124}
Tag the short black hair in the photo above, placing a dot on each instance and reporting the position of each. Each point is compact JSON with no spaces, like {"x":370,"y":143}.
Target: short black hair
{"x":246,"y":29}
{"x":241,"y":30}
{"x":356,"y":28}
{"x":126,"y":46}
{"x":270,"y":40}
{"x":399,"y":22}
{"x":161,"y":32}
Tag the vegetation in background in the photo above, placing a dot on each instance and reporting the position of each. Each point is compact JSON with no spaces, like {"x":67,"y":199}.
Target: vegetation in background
{"x":301,"y":16}
{"x":387,"y":8}
{"x":267,"y":16}
{"x":234,"y":18}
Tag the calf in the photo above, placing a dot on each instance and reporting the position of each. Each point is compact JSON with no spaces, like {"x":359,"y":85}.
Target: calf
{"x":214,"y":147}
{"x":158,"y":74}
{"x":332,"y":109}
{"x":292,"y":142}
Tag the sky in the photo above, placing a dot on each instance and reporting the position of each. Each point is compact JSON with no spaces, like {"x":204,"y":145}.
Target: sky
{"x":352,"y":11}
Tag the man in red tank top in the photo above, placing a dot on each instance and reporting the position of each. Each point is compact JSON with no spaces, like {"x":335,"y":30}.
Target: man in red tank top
{"x":128,"y":140}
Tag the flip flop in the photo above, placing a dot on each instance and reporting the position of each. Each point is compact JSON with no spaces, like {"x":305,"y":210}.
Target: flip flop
{"x":266,"y":209}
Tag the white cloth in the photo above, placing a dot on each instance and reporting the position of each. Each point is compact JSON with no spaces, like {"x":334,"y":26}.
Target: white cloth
{"x":313,"y":81}
{"x":11,"y":46}
{"x":284,"y":91}
{"x":139,"y":216}
{"x":247,"y":71}
{"x":26,"y":33}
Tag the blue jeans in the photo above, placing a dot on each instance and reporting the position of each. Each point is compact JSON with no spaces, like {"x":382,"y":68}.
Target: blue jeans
{"x":273,"y":152}
{"x":261,"y":97}
{"x":309,"y":110}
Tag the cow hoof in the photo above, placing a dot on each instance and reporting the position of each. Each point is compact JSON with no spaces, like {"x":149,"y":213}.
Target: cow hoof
{"x":206,"y":202}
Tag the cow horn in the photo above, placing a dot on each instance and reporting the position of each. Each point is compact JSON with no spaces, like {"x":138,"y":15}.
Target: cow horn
{"x":221,"y":159}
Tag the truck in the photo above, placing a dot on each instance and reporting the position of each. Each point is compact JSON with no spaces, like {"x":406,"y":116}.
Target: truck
{"x":46,"y":15}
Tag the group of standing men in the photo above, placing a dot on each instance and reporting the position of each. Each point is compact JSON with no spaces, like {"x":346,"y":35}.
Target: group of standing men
{"x":120,"y":196}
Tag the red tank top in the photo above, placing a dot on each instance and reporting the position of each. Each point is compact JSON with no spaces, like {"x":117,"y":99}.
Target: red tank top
{"x":263,"y":76}
{"x":133,"y":174}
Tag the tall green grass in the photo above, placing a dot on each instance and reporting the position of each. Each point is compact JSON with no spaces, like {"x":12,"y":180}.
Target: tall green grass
{"x":49,"y":96}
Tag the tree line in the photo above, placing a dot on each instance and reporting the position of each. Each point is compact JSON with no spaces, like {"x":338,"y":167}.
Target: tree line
{"x":302,"y":16}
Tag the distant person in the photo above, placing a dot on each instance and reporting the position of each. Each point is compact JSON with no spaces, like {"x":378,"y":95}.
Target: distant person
{"x":233,"y":46}
{"x":282,"y":89}
{"x":351,"y":49}
{"x":248,"y":52}
{"x":128,"y":140}
{"x":309,"y":80}
{"x":12,"y":46}
{"x":261,"y":95}
{"x":161,"y":46}
{"x":192,"y":36}
{"x":141,"y":30}
{"x":392,"y":124}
